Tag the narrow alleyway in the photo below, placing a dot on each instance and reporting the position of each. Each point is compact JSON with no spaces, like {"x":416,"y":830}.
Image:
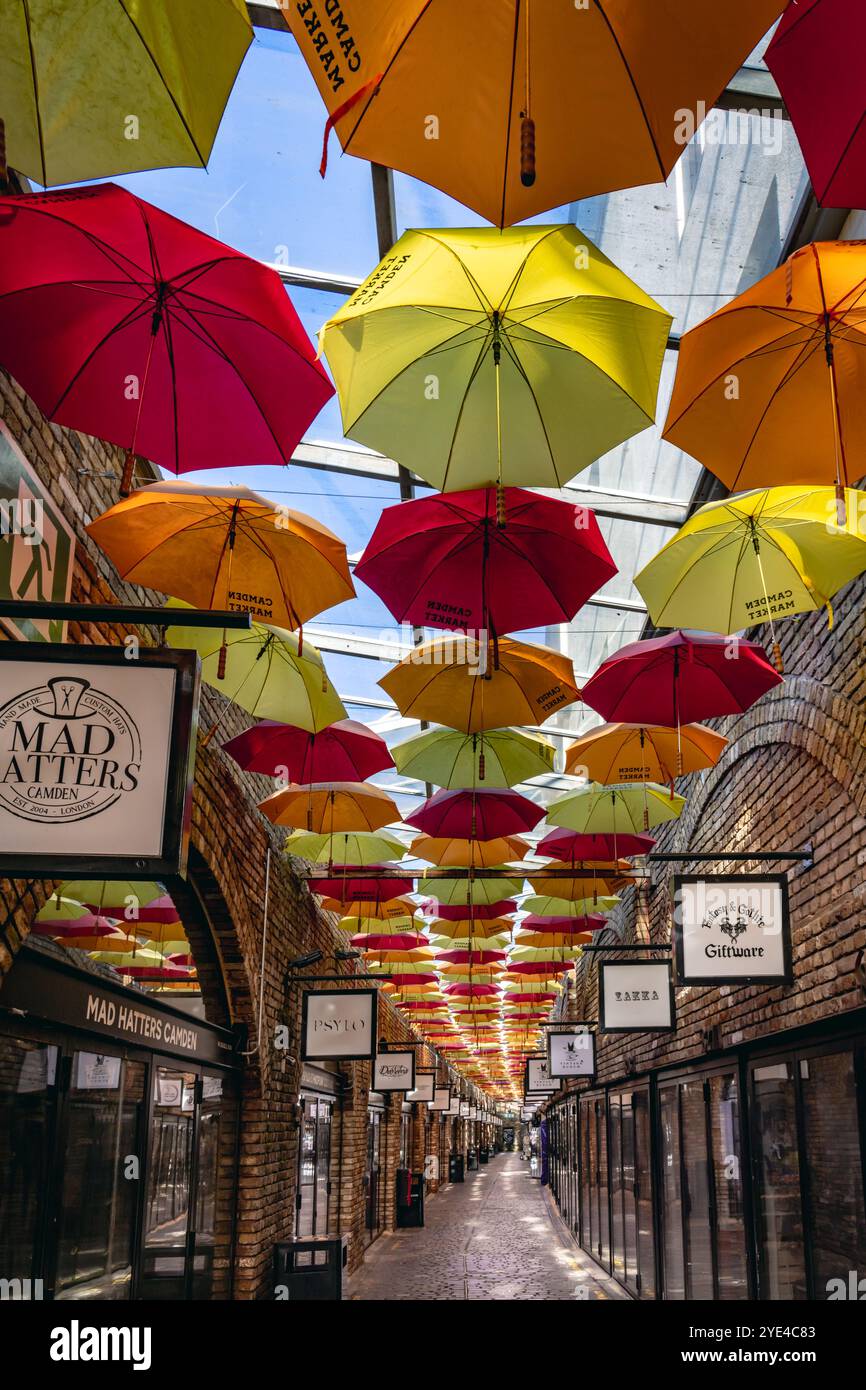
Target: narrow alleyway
{"x":495,"y":1236}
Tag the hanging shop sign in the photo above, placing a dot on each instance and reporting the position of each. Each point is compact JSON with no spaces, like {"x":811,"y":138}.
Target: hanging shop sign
{"x":465,"y":1108}
{"x":425,"y":1087}
{"x":96,"y":760}
{"x":570,"y":1053}
{"x":394,"y":1071}
{"x":537,"y":1079}
{"x":339,"y":1025}
{"x":636,"y":997}
{"x":37,"y":545}
{"x":454,"y":1107}
{"x":732,"y":930}
{"x":441,"y":1098}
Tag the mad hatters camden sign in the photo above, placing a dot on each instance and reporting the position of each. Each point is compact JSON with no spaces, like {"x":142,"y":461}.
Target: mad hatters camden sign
{"x":732,"y":930}
{"x":636,"y":997}
{"x":339,"y":1025}
{"x":95,"y":759}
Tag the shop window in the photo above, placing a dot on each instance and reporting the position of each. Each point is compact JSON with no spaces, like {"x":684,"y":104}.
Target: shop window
{"x":834,"y":1169}
{"x":28,"y":1073}
{"x":779,"y":1214}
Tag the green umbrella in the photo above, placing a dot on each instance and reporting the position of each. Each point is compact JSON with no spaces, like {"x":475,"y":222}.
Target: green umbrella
{"x":541,"y":906}
{"x":477,"y":891}
{"x":92,"y":88}
{"x":267,"y":673}
{"x":112,"y":898}
{"x":360,"y":847}
{"x":498,"y":758}
{"x":618,"y":810}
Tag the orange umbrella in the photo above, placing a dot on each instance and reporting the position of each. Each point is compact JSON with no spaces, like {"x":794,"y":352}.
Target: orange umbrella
{"x":326,"y":807}
{"x":226,"y":547}
{"x":771,"y":388}
{"x":476,"y":854}
{"x":643,"y":752}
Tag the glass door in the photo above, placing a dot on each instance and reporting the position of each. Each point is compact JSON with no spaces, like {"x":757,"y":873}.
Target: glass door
{"x":169,"y":1184}
{"x":778,"y":1211}
{"x":28,"y":1095}
{"x":645,"y":1284}
{"x":371,"y":1177}
{"x":671,"y":1192}
{"x":617,"y":1212}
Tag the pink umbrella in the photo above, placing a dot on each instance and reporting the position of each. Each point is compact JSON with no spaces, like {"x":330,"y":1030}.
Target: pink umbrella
{"x":162,"y":909}
{"x":571,"y":847}
{"x":539,"y":967}
{"x":126,"y":323}
{"x":565,"y":926}
{"x":476,"y":815}
{"x":464,"y":560}
{"x":467,"y":991}
{"x":346,"y":751}
{"x":405,"y":941}
{"x":816,"y":57}
{"x":92,"y":924}
{"x":518,"y":998}
{"x":681,"y":678}
{"x":458,"y":957}
{"x":346,"y":889}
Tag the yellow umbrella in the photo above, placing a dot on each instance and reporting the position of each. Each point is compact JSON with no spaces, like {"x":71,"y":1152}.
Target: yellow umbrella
{"x":91,"y":90}
{"x":542,"y":905}
{"x":617,"y":810}
{"x":498,"y":758}
{"x":478,"y":357}
{"x":476,"y":854}
{"x":470,"y":926}
{"x":226,"y":547}
{"x":580,"y":886}
{"x":376,"y":918}
{"x":266,"y":672}
{"x":757,"y":557}
{"x":473,"y":685}
{"x":477,"y":891}
{"x":326,"y":807}
{"x":359,"y":847}
{"x":642,"y":752}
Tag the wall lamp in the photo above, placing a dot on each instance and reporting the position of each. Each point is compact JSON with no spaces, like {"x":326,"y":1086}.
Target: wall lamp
{"x":300,"y":962}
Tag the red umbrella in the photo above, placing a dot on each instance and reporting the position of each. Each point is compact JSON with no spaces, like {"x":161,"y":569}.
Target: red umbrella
{"x":468,"y":991}
{"x":571,"y":847}
{"x":162,"y":909}
{"x":419,"y":979}
{"x":565,"y":926}
{"x":346,"y":889}
{"x":70,"y":927}
{"x":479,"y":912}
{"x":481,"y":957}
{"x":476,"y":815}
{"x":346,"y":751}
{"x":517,"y":998}
{"x":404,"y":941}
{"x":680,"y":678}
{"x":123,"y":322}
{"x":539,"y":967}
{"x":816,"y":58}
{"x":459,"y":562}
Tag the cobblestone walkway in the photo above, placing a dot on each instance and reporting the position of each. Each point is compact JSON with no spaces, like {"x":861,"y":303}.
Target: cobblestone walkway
{"x":495,"y":1236}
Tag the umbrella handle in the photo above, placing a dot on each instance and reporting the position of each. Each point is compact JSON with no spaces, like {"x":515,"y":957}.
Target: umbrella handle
{"x":221,"y":661}
{"x":527,"y":151}
{"x":778,"y":659}
{"x":127,"y":477}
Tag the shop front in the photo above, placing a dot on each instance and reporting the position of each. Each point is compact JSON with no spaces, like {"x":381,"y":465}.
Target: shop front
{"x":738,"y":1178}
{"x":118,"y":1139}
{"x":318,"y":1102}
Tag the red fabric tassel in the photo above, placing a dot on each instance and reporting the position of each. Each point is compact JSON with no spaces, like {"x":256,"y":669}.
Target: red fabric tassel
{"x":341,"y":112}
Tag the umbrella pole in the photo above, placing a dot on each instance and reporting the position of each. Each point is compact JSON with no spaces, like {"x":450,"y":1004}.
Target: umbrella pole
{"x":497,"y":362}
{"x":527,"y":124}
{"x":777,"y":650}
{"x":127,"y":477}
{"x":837,"y":427}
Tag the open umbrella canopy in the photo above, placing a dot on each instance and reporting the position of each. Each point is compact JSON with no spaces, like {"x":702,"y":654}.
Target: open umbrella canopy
{"x":470,"y":943}
{"x":476,"y":815}
{"x":476,"y":928}
{"x":544,"y":356}
{"x":226,"y":547}
{"x":465,"y":990}
{"x":343,"y":888}
{"x":128,"y":293}
{"x":464,"y":853}
{"x":534,"y":925}
{"x":66,"y":109}
{"x":642,"y":753}
{"x":570,"y":848}
{"x":135,"y":899}
{"x":549,"y":941}
{"x":497,"y":758}
{"x":385,"y":917}
{"x":383,"y":941}
{"x":328,"y":807}
{"x":607,"y":810}
{"x":485,"y":560}
{"x":266,"y":673}
{"x":502,"y":141}
{"x":362,"y":847}
{"x":462,"y":893}
{"x":472,"y":685}
{"x":346,"y":751}
{"x":793,"y":345}
{"x":582,"y":885}
{"x":679,"y":678}
{"x":757,"y":556}
{"x":816,"y":58}
{"x":113,"y":941}
{"x":537,"y":905}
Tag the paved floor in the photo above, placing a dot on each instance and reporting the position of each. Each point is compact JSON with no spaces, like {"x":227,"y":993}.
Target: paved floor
{"x":495,"y":1236}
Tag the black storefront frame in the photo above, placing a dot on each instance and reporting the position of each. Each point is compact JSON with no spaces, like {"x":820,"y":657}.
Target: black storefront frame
{"x":28,"y":1027}
{"x":816,"y":1039}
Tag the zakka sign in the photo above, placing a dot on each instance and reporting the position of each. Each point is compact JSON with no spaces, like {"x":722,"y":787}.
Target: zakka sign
{"x":570,"y":1053}
{"x":732,"y":930}
{"x":96,"y":759}
{"x":339,"y":1025}
{"x":636,"y":997}
{"x":394,"y":1071}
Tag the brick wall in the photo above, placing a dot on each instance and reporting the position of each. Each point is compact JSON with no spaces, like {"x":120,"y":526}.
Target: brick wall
{"x":794,"y":772}
{"x":222,"y":905}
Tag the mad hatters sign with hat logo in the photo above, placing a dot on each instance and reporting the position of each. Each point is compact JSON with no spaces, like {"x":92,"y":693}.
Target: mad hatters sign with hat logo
{"x":732,"y":930}
{"x":95,"y":759}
